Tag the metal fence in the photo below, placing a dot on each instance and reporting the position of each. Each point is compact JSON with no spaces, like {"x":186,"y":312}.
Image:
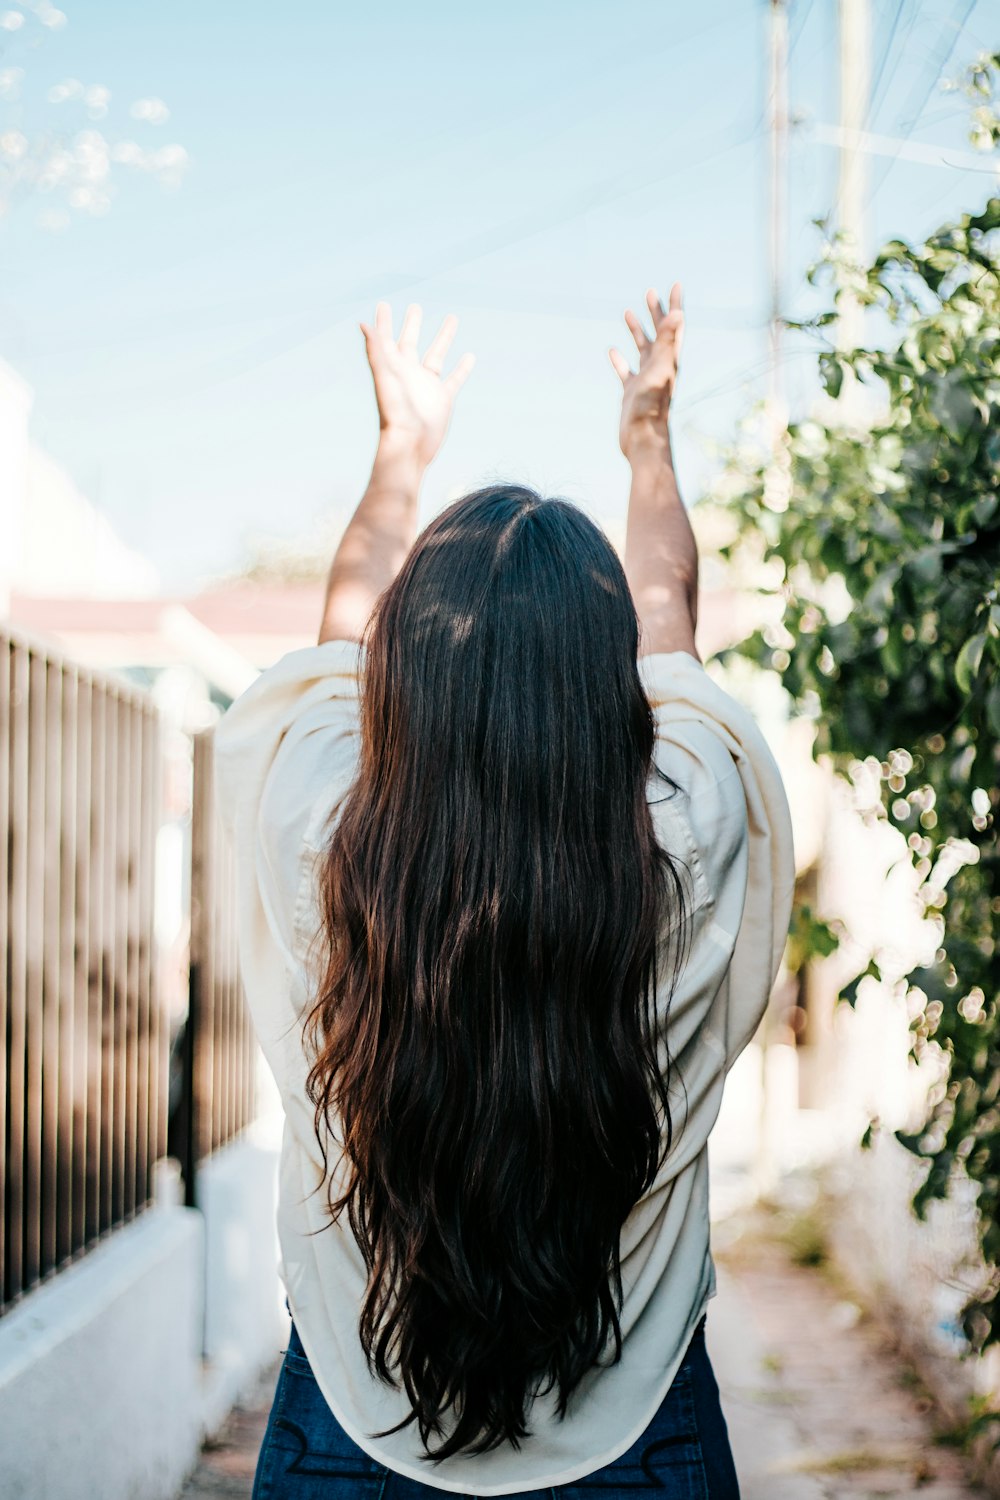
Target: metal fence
{"x":85,"y":1048}
{"x":220,"y":1045}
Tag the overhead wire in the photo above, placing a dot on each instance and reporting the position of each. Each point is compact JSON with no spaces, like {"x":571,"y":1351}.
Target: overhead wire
{"x":921,"y":92}
{"x":874,"y":96}
{"x":302,"y":329}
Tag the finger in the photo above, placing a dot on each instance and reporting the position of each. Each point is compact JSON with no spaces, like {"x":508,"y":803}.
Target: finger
{"x":459,"y":374}
{"x":440,"y":344}
{"x":371,"y":342}
{"x":670,"y":334}
{"x":620,"y":363}
{"x":676,"y":297}
{"x":637,"y":330}
{"x":410,"y":331}
{"x":656,"y":307}
{"x":383,"y":319}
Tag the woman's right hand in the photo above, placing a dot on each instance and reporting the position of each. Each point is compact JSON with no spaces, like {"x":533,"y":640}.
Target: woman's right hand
{"x":647,"y":393}
{"x":414,"y":399}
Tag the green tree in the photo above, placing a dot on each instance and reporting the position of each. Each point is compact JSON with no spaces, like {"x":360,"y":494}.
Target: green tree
{"x":884,"y":543}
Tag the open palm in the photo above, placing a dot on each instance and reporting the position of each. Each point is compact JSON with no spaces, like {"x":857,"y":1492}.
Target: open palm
{"x":647,"y":393}
{"x":414,"y":400}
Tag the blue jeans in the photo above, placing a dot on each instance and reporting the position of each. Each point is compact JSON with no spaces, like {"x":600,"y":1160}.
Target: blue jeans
{"x":684,"y":1452}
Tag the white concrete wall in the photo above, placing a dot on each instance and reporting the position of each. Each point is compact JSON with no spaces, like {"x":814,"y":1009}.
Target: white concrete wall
{"x":114,"y":1372}
{"x":246,"y":1323}
{"x":100,"y":1379}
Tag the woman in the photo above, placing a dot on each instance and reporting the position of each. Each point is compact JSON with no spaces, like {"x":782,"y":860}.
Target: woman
{"x":515,"y":880}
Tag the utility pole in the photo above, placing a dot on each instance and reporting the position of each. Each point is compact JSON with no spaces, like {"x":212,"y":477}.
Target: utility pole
{"x":855,"y":100}
{"x":778,"y":100}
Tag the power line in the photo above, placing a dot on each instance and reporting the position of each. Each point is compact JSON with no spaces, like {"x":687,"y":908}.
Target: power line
{"x":304,"y":328}
{"x":800,"y":19}
{"x":926,"y":83}
{"x":874,"y":99}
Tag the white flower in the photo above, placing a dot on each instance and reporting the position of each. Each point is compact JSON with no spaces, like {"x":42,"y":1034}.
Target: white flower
{"x":154,"y":111}
{"x":49,"y":15}
{"x":10,"y":80}
{"x":91,"y":154}
{"x":13,"y":144}
{"x":169,"y":163}
{"x":58,"y":165}
{"x":96,"y":99}
{"x":169,"y":158}
{"x":129,"y":154}
{"x":72,"y":88}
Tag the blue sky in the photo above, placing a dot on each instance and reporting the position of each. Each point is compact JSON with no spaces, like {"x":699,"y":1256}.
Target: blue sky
{"x":195,"y":354}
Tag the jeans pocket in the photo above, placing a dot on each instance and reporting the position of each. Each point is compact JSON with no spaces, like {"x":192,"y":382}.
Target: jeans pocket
{"x":307,"y":1446}
{"x":666,"y":1457}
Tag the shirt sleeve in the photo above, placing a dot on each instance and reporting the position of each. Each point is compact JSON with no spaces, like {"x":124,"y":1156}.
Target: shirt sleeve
{"x":284,"y":753}
{"x":737,"y":839}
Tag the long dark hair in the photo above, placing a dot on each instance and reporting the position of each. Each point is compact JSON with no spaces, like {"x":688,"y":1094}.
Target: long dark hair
{"x":495,"y":911}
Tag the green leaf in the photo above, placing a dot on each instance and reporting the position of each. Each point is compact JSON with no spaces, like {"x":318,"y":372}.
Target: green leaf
{"x":993,"y":708}
{"x":831,"y":372}
{"x":968,"y":661}
{"x":849,"y":994}
{"x":985,"y":508}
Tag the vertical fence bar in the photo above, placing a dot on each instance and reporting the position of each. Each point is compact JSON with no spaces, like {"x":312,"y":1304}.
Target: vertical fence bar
{"x":17,"y":970}
{"x":83,"y":1138}
{"x":5,"y":748}
{"x":123,"y":1015}
{"x":49,"y":838}
{"x":158,"y":1032}
{"x":133,"y":1029}
{"x":228,"y":1019}
{"x":142,"y":1015}
{"x":110,"y":986}
{"x":222,"y":1049}
{"x":99,"y":1072}
{"x":68,"y":1153}
{"x":200,"y":1051}
{"x":34,"y":991}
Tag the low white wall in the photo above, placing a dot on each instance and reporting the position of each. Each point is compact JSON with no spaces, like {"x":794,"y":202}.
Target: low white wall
{"x":114,"y":1372}
{"x":100,"y":1369}
{"x":246,"y":1324}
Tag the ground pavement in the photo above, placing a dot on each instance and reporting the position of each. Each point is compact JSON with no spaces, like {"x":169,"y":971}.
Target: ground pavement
{"x":818,"y":1407}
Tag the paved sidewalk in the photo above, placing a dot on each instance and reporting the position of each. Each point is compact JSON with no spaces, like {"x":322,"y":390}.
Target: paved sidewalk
{"x":818,"y":1407}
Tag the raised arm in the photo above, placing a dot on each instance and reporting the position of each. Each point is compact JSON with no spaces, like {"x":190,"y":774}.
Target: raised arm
{"x":414,"y":406}
{"x":661,"y":558}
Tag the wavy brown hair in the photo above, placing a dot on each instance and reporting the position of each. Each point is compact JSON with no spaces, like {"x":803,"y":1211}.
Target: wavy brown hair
{"x":488,"y":1046}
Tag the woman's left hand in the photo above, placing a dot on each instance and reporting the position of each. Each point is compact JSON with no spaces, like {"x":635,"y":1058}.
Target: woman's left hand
{"x":414,"y":401}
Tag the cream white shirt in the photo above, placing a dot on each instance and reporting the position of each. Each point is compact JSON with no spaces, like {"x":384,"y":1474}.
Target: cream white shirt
{"x":284,"y":752}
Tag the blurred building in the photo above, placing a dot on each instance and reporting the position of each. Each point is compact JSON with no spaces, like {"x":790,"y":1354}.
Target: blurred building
{"x":68,"y":577}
